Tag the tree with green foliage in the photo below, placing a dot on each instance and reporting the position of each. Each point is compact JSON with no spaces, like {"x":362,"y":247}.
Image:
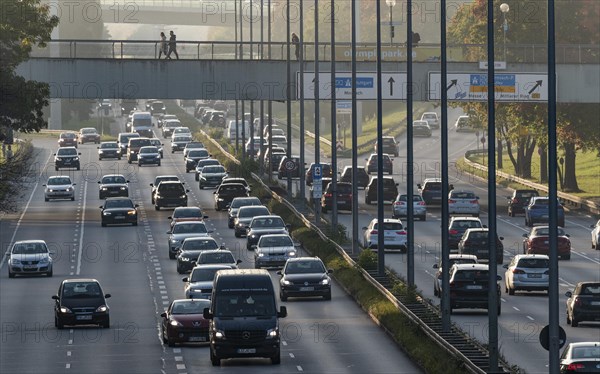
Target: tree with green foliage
{"x":523,"y":126}
{"x":23,"y":25}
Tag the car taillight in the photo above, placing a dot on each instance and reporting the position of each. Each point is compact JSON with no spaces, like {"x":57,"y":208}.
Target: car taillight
{"x":373,"y":232}
{"x":399,"y":203}
{"x":421,"y":203}
{"x":515,"y":200}
{"x":576,"y":366}
{"x":451,"y":201}
{"x":401,"y":232}
{"x":474,"y":202}
{"x":328,"y":195}
{"x":518,"y":271}
{"x":453,"y":232}
{"x":578,"y":302}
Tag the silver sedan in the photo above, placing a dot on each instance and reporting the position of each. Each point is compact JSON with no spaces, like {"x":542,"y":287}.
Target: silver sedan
{"x":59,"y":187}
{"x":463,"y":202}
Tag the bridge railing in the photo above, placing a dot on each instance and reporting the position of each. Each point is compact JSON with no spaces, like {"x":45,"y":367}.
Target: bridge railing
{"x":231,"y":50}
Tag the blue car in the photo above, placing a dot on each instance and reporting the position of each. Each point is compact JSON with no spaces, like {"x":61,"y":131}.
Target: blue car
{"x":537,"y":212}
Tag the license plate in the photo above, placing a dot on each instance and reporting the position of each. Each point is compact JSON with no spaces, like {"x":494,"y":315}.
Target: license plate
{"x":595,"y":303}
{"x":83,"y":318}
{"x":197,"y":339}
{"x":474,"y":287}
{"x":544,"y":216}
{"x":121,"y":217}
{"x":307,"y":288}
{"x":30,"y":266}
{"x":246,"y":350}
{"x":534,"y":275}
{"x":546,"y":242}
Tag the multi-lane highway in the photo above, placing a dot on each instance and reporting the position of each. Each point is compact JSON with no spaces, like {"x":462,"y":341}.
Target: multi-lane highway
{"x":132,"y":264}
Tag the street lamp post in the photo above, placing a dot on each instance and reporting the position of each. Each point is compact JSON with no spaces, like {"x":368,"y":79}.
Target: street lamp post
{"x":504,"y":8}
{"x":391,"y":4}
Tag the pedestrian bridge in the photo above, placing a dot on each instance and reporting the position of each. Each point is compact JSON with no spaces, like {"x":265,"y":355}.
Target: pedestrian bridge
{"x":258,"y":71}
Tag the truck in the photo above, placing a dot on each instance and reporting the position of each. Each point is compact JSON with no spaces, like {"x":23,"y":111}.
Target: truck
{"x":141,"y":122}
{"x":244,"y":320}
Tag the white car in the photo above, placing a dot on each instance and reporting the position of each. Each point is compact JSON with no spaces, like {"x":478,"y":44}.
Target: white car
{"x":274,"y":250}
{"x":394,"y":235}
{"x":596,"y":235}
{"x":432,"y":119}
{"x":182,"y":130}
{"x":29,"y":257}
{"x":463,"y":203}
{"x":527,"y":273}
{"x":59,"y":187}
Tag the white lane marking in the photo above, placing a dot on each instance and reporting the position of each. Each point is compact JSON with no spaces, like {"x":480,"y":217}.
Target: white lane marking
{"x":176,"y":350}
{"x":292,"y":355}
{"x":567,"y":283}
{"x":180,"y":366}
{"x":82,"y":229}
{"x":68,"y":353}
{"x":503,"y":299}
{"x":531,"y":318}
{"x":70,"y":341}
{"x":284,"y":342}
{"x":178,"y":358}
{"x":299,"y":368}
{"x":67,"y":366}
{"x":517,"y":309}
{"x":587,"y":258}
{"x":14,"y":235}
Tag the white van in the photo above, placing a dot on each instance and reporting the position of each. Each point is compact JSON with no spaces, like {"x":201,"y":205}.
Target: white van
{"x":141,"y":122}
{"x":233,"y":125}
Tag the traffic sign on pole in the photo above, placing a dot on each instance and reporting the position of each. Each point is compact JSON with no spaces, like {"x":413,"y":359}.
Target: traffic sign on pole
{"x":317,"y":181}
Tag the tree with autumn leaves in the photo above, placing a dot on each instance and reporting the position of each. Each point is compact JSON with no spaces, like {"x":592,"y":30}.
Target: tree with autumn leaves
{"x":523,"y":126}
{"x":23,"y":25}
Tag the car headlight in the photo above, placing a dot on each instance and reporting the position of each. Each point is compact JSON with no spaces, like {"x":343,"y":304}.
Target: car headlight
{"x":183,"y":196}
{"x":219,"y":334}
{"x":58,"y":159}
{"x":241,"y":225}
{"x":102,"y":309}
{"x":104,"y":189}
{"x":44,"y":261}
{"x":100,"y":151}
{"x":131,"y":212}
{"x":75,"y":158}
{"x":15,"y":261}
{"x":64,"y":309}
{"x":292,"y":254}
{"x":175,"y":323}
{"x":286,"y":282}
{"x":261,"y":254}
{"x":324,"y":281}
{"x":69,"y":189}
{"x":174,"y":241}
{"x":106,"y":213}
{"x":272,"y":333}
{"x":184,"y":258}
{"x":123,"y":188}
{"x":203,"y":178}
{"x":50,"y":190}
{"x":132,"y":152}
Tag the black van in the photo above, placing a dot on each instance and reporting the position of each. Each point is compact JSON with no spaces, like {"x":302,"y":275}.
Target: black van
{"x":244,"y":317}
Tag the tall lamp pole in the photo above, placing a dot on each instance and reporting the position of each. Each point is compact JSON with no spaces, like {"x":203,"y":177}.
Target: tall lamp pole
{"x":391,"y":4}
{"x":504,"y":8}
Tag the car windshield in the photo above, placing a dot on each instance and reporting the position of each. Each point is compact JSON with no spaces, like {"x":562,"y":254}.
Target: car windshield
{"x":190,"y":228}
{"x":184,"y":130}
{"x":535,"y":263}
{"x":67,"y":152}
{"x":228,"y":189}
{"x":190,"y":306}
{"x":433,"y":186}
{"x":118,"y":203}
{"x":155,"y":142}
{"x":214,"y":170}
{"x":222,"y":257}
{"x":149,"y":150}
{"x":109,"y":145}
{"x":67,"y":136}
{"x":545,"y":231}
{"x":83,"y":290}
{"x":389,"y":141}
{"x":268,"y":222}
{"x":253,"y":211}
{"x":171,"y":188}
{"x":471,"y":275}
{"x":125,"y":138}
{"x":453,"y":261}
{"x":199,"y":244}
{"x":182,"y":138}
{"x":59,"y":181}
{"x":462,"y":195}
{"x":139,"y":142}
{"x":478,"y":235}
{"x":88,"y":131}
{"x":590,"y":352}
{"x":29,"y":248}
{"x":275,"y":241}
{"x":464,"y":225}
{"x":203,"y":275}
{"x":429,"y":116}
{"x":240,"y":202}
{"x":235,"y":180}
{"x":526,"y":194}
{"x":204,"y":163}
{"x":389,"y":226}
{"x":164,"y":179}
{"x":173,"y":124}
{"x":247,"y":305}
{"x":198,"y":153}
{"x":416,"y":198}
{"x":591,"y":289}
{"x":114,"y":179}
{"x":187,"y":213}
{"x":195,"y":145}
{"x":304,"y":267}
{"x":420,"y":123}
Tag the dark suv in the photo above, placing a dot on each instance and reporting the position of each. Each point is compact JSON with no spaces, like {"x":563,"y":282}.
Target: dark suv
{"x":371,"y":165}
{"x":344,"y":197}
{"x":80,"y":302}
{"x":389,"y":146}
{"x":519,"y":200}
{"x":225,"y":193}
{"x":475,"y":242}
{"x":67,"y":157}
{"x":362,"y":178}
{"x":390,"y":190}
{"x":469,"y":285}
{"x":170,"y":194}
{"x":431,"y":191}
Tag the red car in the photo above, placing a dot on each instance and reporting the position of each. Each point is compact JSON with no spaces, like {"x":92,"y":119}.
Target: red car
{"x":186,"y":213}
{"x":183,"y":322}
{"x":537,"y":242}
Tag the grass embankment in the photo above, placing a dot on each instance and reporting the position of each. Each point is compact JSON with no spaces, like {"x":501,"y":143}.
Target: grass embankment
{"x":588,"y":172}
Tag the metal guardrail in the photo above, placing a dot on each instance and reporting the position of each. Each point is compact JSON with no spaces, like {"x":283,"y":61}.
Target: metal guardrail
{"x":469,"y":365}
{"x":572,"y":199}
{"x":277,"y":50}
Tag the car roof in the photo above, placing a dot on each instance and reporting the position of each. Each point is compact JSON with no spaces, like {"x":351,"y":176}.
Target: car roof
{"x":211,"y":266}
{"x":118,"y":198}
{"x":210,"y":251}
{"x":58,"y":176}
{"x":471,"y":266}
{"x":78,"y":280}
{"x":477,"y":229}
{"x":545,"y":257}
{"x":113,"y":175}
{"x":31,"y":241}
{"x":387,"y":220}
{"x":585,"y":344}
{"x":460,"y":256}
{"x":167,"y":176}
{"x":297,"y":259}
{"x":428,"y":180}
{"x":181,"y":223}
{"x":464,"y":219}
{"x":200,"y":238}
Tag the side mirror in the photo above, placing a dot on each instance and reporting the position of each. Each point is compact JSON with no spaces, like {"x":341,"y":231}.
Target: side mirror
{"x":502,"y":238}
{"x":498,"y":278}
{"x":184,"y":279}
{"x":45,"y":185}
{"x":79,"y":154}
{"x":222,"y":246}
{"x":169,"y":217}
{"x":187,"y":191}
{"x":207,"y":314}
{"x":282,"y":312}
{"x":205,"y":217}
{"x":98,"y":182}
{"x":151,"y":184}
{"x":97,"y":147}
{"x":297,"y":244}
{"x":477,"y":197}
{"x":136,"y":206}
{"x":107,"y":296}
{"x":568,"y":235}
{"x":253,"y":247}
{"x":418,"y":185}
{"x":54,"y":297}
{"x":169,"y":232}
{"x":215,"y":192}
{"x":288,"y":226}
{"x":329,"y":271}
{"x":101,"y":207}
{"x":364,"y":228}
{"x":279,"y":273}
{"x":127,"y":181}
{"x":163,"y":315}
{"x":505,"y":266}
{"x":567,"y":294}
{"x":435,"y":266}
{"x":54,"y":154}
{"x":237,"y":262}
{"x":74,"y":184}
{"x":524,"y":235}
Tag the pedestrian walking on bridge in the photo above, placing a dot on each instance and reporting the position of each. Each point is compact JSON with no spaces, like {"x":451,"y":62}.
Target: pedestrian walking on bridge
{"x":172,"y":45}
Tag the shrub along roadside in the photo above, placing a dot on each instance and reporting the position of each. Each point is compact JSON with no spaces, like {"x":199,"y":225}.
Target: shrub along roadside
{"x":12,"y":173}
